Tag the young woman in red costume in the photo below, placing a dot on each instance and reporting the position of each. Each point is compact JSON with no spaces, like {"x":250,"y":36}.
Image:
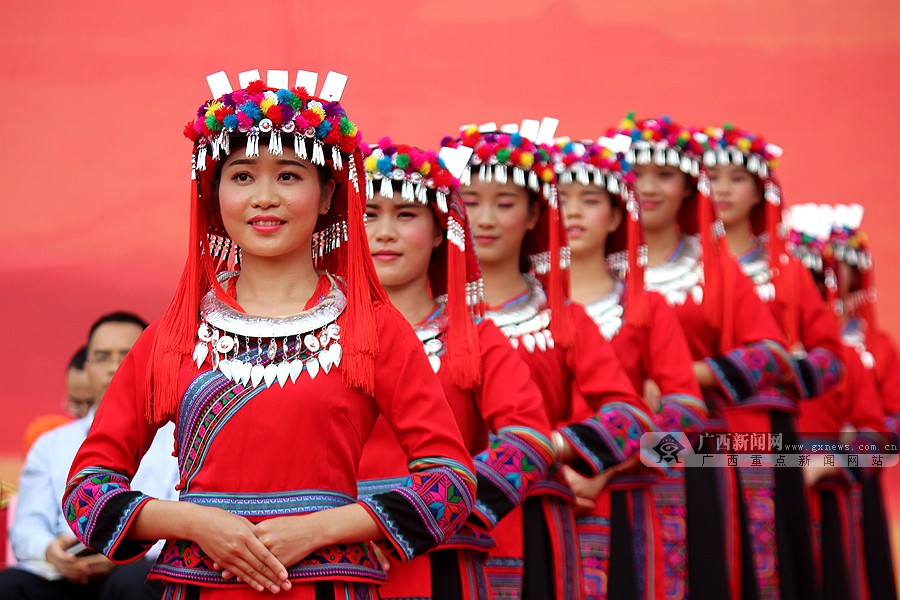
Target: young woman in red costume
{"x":620,"y":536}
{"x":855,"y":284}
{"x":822,"y":421}
{"x":510,"y":195}
{"x":274,"y":368}
{"x":738,"y":350}
{"x":748,"y":200}
{"x":423,"y":253}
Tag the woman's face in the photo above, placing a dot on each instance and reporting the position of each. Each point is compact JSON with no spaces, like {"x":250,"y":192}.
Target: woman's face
{"x":402,"y":236}
{"x":270,"y":204}
{"x":589,"y":216}
{"x":500,"y":216}
{"x":661,"y":191}
{"x":735,"y":192}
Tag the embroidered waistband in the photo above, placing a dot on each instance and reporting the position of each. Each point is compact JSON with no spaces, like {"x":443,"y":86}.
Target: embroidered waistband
{"x":270,"y":504}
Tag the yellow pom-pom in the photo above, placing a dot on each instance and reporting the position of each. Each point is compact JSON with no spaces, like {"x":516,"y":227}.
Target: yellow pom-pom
{"x":547,"y":175}
{"x":647,"y":135}
{"x":606,"y":153}
{"x":371,"y":163}
{"x":471,"y":129}
{"x":526,"y":160}
{"x":744,"y":144}
{"x":425,"y":169}
{"x":267,"y":103}
{"x":626,"y":124}
{"x":213,"y":107}
{"x":773,"y":164}
{"x":316,"y":109}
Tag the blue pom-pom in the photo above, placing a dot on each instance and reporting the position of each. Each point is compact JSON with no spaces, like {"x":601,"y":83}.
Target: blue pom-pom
{"x":635,"y":135}
{"x":251,"y":109}
{"x":323,"y":129}
{"x":569,"y":147}
{"x":284,"y":95}
{"x":230,"y":122}
{"x":515,"y":140}
{"x":385,"y":165}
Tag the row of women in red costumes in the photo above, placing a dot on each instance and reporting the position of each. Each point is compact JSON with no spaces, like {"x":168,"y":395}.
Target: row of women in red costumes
{"x":425,"y":424}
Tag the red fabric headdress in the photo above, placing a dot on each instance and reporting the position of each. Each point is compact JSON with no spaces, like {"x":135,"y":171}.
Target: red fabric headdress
{"x":427,"y":177}
{"x":317,"y":127}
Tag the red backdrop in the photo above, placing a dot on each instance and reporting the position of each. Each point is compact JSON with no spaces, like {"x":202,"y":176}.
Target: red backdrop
{"x":95,"y":94}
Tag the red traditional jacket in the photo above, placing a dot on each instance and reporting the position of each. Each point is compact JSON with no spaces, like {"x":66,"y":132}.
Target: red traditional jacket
{"x":278,"y":448}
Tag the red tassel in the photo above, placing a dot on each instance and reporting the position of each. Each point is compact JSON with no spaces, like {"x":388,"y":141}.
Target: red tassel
{"x":869,"y":312}
{"x":177,"y":329}
{"x":358,"y":328}
{"x":463,"y":354}
{"x":713,"y":285}
{"x":778,"y":263}
{"x":636,"y":312}
{"x":560,"y":319}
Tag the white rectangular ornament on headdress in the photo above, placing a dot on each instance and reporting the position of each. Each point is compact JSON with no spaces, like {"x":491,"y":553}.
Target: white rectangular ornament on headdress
{"x":529,"y":129}
{"x":276,"y":79}
{"x":546,"y":131}
{"x":510,"y":128}
{"x":308,"y":81}
{"x":456,"y":159}
{"x":248,"y":77}
{"x":333,"y":88}
{"x":219,"y":84}
{"x":487,"y":127}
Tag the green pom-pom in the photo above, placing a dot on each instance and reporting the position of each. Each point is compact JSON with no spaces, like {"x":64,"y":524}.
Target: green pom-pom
{"x":296,"y":102}
{"x":503,"y":155}
{"x":212,"y":123}
{"x":346,"y":126}
{"x":403,"y":161}
{"x":630,"y":116}
{"x":728,"y":126}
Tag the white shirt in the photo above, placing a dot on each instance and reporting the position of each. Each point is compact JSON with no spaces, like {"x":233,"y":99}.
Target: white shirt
{"x":39,"y":517}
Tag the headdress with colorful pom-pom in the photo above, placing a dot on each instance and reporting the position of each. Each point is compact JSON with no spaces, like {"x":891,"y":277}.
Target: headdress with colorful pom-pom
{"x":520,"y":154}
{"x":848,"y":242}
{"x":663,"y":142}
{"x":605,"y":164}
{"x":729,"y":145}
{"x":432,"y":179}
{"x":810,"y":233}
{"x":850,"y":245}
{"x":321,"y":131}
{"x":823,"y":235}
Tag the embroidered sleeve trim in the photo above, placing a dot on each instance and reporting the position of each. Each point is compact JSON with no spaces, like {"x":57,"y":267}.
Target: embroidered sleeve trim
{"x":820,"y":371}
{"x":747,"y":371}
{"x":100,"y":507}
{"x":681,"y":412}
{"x":516,"y":459}
{"x":609,"y":438}
{"x":432,"y":505}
